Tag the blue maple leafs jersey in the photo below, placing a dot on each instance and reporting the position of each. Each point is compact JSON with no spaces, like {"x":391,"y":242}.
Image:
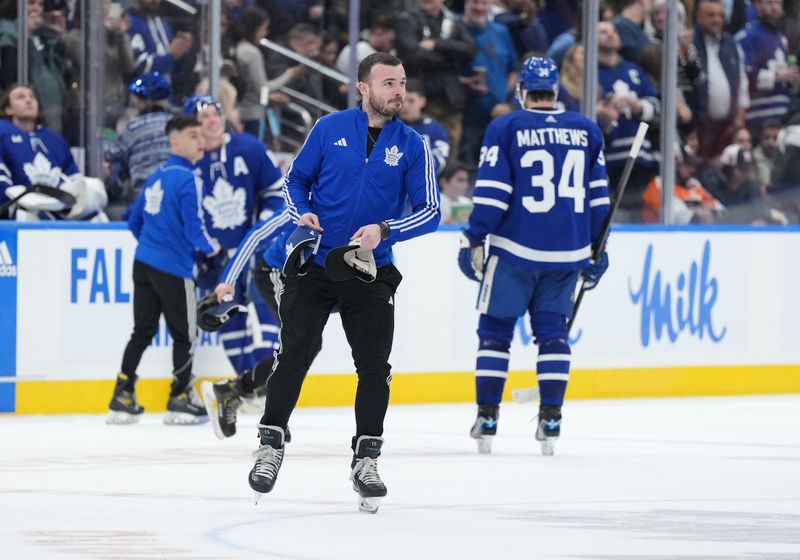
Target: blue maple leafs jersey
{"x":40,"y":157}
{"x":268,"y":238}
{"x":435,"y":137}
{"x":765,"y":51}
{"x":150,"y":38}
{"x":541,"y":194}
{"x":241,"y":183}
{"x":628,"y":80}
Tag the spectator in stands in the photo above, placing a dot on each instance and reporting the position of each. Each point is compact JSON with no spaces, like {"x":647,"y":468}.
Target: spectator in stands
{"x":303,"y":39}
{"x":31,"y":154}
{"x":526,"y":30}
{"x":380,"y":39}
{"x":142,"y":145}
{"x":630,"y":27}
{"x":743,"y":139}
{"x":765,"y":154}
{"x":118,"y":59}
{"x":48,"y":66}
{"x":155,"y":47}
{"x":564,"y":41}
{"x":570,"y":87}
{"x":654,"y":24}
{"x":492,"y":75}
{"x":430,"y":129}
{"x":769,"y":75}
{"x":305,"y":11}
{"x":456,"y":205}
{"x":557,"y":16}
{"x":720,"y":97}
{"x":650,"y":62}
{"x":628,"y":92}
{"x":281,"y":21}
{"x":691,"y":203}
{"x":434,"y":46}
{"x":334,"y":92}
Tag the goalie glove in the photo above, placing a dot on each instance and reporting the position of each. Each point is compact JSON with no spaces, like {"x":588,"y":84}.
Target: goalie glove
{"x":471,"y":256}
{"x":595,"y":270}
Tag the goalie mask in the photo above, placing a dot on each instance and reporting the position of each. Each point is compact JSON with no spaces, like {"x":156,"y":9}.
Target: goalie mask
{"x":350,"y":261}
{"x":301,"y":248}
{"x":211,"y":315}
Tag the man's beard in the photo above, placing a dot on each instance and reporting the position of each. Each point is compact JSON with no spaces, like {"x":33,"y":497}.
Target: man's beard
{"x":384,"y":110}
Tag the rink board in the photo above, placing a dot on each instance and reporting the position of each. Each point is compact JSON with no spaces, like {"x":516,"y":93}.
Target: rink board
{"x":681,"y":311}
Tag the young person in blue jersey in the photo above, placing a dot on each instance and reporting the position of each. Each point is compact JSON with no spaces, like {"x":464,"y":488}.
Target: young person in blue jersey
{"x":32,"y":154}
{"x":540,"y":198}
{"x":430,"y":129}
{"x":167,"y":222}
{"x":350,"y":181}
{"x":241,"y":184}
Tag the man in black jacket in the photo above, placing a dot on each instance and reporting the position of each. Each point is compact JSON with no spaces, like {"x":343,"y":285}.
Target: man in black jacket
{"x":434,"y":45}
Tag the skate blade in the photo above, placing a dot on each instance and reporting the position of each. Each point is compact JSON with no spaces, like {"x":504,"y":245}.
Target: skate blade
{"x":548,"y":446}
{"x":368,"y":505}
{"x":210,"y":402}
{"x":257,"y":496}
{"x":121,"y":418}
{"x":183,"y":419}
{"x":485,"y":444}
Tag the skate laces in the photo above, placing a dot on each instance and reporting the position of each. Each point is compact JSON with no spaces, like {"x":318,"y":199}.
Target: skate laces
{"x":366,"y":469}
{"x":268,"y":461}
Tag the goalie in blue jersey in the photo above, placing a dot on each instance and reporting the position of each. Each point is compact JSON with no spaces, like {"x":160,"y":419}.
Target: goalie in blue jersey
{"x":540,"y":198}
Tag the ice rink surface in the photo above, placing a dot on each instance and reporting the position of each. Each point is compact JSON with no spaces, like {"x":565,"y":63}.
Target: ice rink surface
{"x":639,"y":479}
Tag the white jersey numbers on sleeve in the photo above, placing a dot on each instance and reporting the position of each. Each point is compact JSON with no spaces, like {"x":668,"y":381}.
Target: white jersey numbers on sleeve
{"x":489,"y":155}
{"x":571,"y":180}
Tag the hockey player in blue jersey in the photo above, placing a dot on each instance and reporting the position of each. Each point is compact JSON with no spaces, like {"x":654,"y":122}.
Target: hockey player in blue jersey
{"x":431,"y":130}
{"x":241,"y":184}
{"x":32,"y":154}
{"x":155,"y":47}
{"x":541,"y":197}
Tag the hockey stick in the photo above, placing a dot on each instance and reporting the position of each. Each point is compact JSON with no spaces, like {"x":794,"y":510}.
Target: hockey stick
{"x":531,"y":393}
{"x":67,"y":199}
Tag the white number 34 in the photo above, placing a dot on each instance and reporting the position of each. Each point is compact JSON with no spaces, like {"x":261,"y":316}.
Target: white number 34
{"x":570,"y":183}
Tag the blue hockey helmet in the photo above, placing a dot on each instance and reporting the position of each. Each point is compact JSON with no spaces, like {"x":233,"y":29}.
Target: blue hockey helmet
{"x":152,"y":86}
{"x":537,"y":74}
{"x":301,"y":248}
{"x":197,"y":103}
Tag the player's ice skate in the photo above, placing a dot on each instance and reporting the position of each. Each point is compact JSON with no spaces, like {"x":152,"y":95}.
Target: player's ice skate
{"x":364,"y":473}
{"x":548,"y":428}
{"x":269,"y":457}
{"x":123,"y":408}
{"x":485,"y":427}
{"x":221,"y":401}
{"x":185,"y":408}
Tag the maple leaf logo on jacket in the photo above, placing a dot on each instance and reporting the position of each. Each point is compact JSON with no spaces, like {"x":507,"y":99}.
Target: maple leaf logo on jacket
{"x":41,"y":172}
{"x":153,"y":196}
{"x":393,"y":156}
{"x":226,"y":205}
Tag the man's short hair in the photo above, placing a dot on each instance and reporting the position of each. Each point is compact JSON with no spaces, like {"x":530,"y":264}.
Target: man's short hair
{"x":386,"y":21}
{"x":376,"y":58}
{"x":301,"y":31}
{"x":771,"y":123}
{"x":451,"y":169}
{"x":178,"y":123}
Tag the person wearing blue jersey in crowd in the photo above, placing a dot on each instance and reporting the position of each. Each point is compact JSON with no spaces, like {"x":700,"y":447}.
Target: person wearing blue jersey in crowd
{"x":156,"y":48}
{"x":142,"y":145}
{"x":241,"y":184}
{"x":430,"y":129}
{"x":541,"y":198}
{"x":350,"y":182}
{"x":32,"y":154}
{"x":167,"y":222}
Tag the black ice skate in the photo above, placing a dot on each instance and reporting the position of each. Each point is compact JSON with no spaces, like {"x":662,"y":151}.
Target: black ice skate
{"x":485,"y":426}
{"x":549,"y":428}
{"x":269,"y":457}
{"x":185,"y":408}
{"x":222,"y":401}
{"x":364,"y":473}
{"x":123,"y":408}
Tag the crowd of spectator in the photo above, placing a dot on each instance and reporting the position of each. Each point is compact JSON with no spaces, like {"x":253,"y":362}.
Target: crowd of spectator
{"x":738,"y":97}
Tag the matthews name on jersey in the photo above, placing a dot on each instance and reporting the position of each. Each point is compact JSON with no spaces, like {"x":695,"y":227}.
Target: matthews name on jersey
{"x":241,"y":183}
{"x":40,"y":157}
{"x":538,"y":170}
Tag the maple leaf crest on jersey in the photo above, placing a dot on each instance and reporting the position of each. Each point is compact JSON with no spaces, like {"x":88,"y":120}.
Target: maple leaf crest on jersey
{"x":226,"y":205}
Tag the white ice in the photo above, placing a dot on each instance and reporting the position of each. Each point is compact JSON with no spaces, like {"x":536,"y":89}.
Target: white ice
{"x":640,"y":479}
